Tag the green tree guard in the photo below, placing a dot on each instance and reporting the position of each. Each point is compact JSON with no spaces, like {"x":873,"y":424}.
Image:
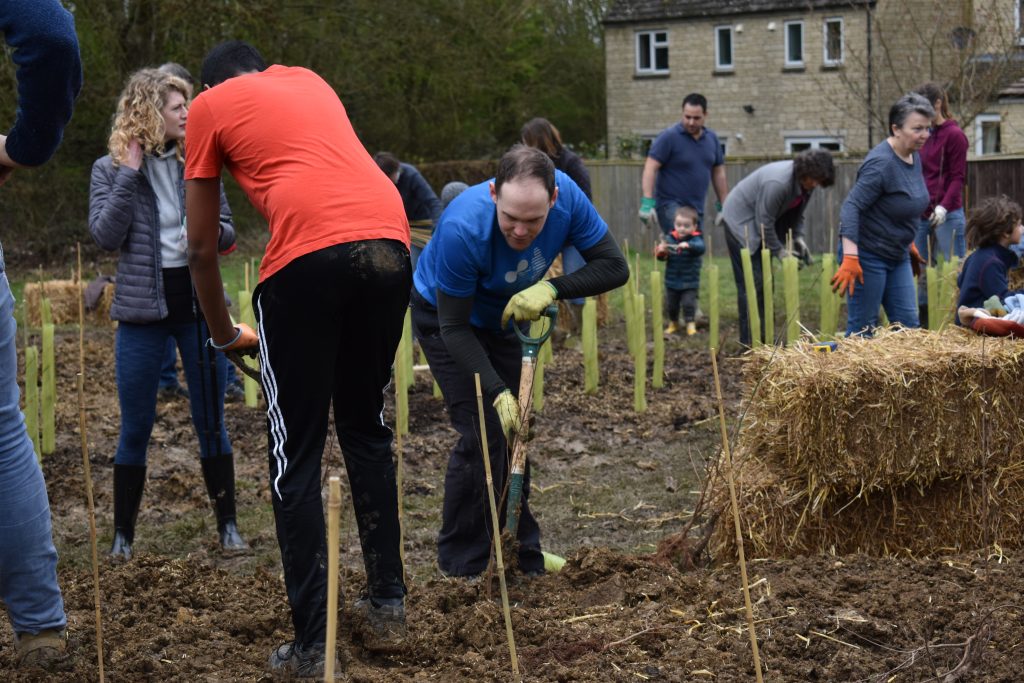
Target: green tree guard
{"x":934,"y":298}
{"x":791,"y":291}
{"x":712,"y":284}
{"x":658,"y":371}
{"x":32,"y":397}
{"x":769,"y":296}
{"x":753,"y":315}
{"x":590,"y":366}
{"x":827,"y":307}
{"x":401,"y":389}
{"x":409,"y":375}
{"x":49,"y":440}
{"x":246,"y":314}
{"x":640,"y":342}
{"x":45,"y":312}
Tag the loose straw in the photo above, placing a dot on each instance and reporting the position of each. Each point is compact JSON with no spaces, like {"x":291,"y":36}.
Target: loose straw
{"x":333,"y":519}
{"x":497,"y":530}
{"x":736,"y":518}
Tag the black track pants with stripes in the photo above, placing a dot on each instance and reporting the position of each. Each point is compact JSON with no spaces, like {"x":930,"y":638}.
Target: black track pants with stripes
{"x":329,"y":325}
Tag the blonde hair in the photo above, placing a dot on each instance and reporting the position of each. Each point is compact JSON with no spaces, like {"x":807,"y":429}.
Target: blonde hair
{"x":139,"y":113}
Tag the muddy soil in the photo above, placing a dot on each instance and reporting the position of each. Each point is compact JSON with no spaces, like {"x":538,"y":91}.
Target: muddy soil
{"x":608,"y":486}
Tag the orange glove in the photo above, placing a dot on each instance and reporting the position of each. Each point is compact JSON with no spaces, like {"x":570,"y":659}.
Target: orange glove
{"x":917,"y":262}
{"x":849,"y":270}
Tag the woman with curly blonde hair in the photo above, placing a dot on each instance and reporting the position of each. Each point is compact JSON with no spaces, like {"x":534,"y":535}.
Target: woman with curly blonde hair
{"x":137,"y":207}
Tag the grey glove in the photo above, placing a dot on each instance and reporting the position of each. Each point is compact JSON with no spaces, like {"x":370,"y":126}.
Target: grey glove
{"x":802,"y":252}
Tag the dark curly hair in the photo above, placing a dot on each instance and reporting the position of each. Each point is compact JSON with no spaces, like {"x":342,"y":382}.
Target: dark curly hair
{"x":991,"y":220}
{"x":816,"y":164}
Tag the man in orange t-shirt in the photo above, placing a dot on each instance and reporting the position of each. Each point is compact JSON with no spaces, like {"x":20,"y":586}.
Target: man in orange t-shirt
{"x":333,"y":291}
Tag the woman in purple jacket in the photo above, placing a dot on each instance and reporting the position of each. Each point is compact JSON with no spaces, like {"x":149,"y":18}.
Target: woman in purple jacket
{"x":944,"y":164}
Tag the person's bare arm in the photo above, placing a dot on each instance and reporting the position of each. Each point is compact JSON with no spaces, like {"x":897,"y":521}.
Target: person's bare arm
{"x":719,"y":182}
{"x":202,"y":208}
{"x":650,"y":174}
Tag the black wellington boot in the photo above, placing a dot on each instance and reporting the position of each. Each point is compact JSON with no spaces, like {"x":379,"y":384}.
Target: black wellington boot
{"x":129,"y":481}
{"x":219,"y":473}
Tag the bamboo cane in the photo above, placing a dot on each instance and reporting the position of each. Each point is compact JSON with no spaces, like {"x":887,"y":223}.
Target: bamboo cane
{"x":658,"y":371}
{"x":499,"y":560}
{"x":333,"y":544}
{"x":730,"y":476}
{"x":407,"y":357}
{"x":827,"y":297}
{"x":81,"y":313}
{"x":713,"y":305}
{"x":92,"y":523}
{"x":246,"y":315}
{"x":933,"y":285}
{"x":401,"y":389}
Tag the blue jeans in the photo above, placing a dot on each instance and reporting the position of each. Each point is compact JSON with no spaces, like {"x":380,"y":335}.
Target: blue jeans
{"x":169,"y":371}
{"x":139,"y":356}
{"x":28,"y":558}
{"x":950,"y":240}
{"x":886,"y":283}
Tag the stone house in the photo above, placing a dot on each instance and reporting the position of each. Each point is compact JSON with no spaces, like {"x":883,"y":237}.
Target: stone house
{"x":785,"y":75}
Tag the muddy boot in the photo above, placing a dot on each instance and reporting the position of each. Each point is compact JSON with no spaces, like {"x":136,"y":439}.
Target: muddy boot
{"x":41,"y":649}
{"x":129,"y":481}
{"x":219,"y":473}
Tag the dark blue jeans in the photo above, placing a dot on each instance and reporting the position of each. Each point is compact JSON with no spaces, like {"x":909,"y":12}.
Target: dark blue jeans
{"x":169,"y":371}
{"x":140,"y":351}
{"x":886,"y":283}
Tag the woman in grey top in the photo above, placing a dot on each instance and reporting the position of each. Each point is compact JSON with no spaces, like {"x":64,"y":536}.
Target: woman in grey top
{"x":878,"y":222}
{"x":137,"y":207}
{"x":772,"y":199}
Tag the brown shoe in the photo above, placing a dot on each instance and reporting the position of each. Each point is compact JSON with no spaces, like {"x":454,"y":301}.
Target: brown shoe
{"x":40,"y":649}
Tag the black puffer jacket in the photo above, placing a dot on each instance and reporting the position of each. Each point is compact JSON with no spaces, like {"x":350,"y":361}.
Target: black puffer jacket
{"x":123,"y":215}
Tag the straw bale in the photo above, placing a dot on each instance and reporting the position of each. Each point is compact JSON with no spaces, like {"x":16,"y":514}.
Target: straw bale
{"x":64,"y":296}
{"x":1016,"y":279}
{"x":780,"y":519}
{"x":905,"y":408}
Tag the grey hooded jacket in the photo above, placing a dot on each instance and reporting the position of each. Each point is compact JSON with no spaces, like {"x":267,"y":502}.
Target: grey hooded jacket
{"x":123,"y":215}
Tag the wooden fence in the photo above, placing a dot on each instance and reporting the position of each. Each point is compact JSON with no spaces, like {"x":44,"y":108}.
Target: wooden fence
{"x":616,"y":190}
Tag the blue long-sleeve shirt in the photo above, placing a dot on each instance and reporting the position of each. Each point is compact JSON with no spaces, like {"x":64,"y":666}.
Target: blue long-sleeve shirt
{"x":985,"y":274}
{"x":42,"y":35}
{"x":883,"y":210}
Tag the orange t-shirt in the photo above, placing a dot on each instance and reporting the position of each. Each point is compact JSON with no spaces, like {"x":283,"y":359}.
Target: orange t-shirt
{"x":285,"y":137}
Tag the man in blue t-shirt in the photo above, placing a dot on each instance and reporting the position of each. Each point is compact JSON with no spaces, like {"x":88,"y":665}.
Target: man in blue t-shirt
{"x":480,"y":273}
{"x":682,"y":161}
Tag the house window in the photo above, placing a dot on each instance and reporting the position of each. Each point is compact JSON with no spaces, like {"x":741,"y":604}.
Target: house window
{"x":794,"y":145}
{"x":1018,"y":18}
{"x":794,"y":44}
{"x":987,"y":134}
{"x":833,"y":39}
{"x":723,"y":48}
{"x":652,"y":52}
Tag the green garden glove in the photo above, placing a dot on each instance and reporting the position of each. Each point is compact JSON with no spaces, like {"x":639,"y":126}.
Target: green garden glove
{"x":530,"y":303}
{"x":508,"y":412}
{"x":646,"y":209}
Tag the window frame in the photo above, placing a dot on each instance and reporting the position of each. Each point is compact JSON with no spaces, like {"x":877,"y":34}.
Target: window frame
{"x":786,"y":62}
{"x":652,"y":55}
{"x":814,"y":142}
{"x":825,"y":60}
{"x":979,"y":133}
{"x":731,"y":66}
